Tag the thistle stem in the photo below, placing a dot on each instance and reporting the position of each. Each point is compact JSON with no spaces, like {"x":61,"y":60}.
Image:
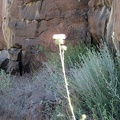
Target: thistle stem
{"x":66,"y":81}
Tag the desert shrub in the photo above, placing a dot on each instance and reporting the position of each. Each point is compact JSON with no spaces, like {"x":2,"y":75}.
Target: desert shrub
{"x":4,"y":82}
{"x":97,"y":84}
{"x":54,"y":60}
{"x":72,"y":56}
{"x":94,"y":87}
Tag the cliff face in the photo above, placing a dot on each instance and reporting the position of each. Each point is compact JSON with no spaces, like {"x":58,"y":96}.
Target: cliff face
{"x":35,"y":21}
{"x":104,"y":22}
{"x":99,"y":13}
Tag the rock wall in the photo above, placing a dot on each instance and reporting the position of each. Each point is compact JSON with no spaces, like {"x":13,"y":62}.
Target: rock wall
{"x":104,"y":20}
{"x":116,"y":25}
{"x":33,"y":22}
{"x":99,"y":13}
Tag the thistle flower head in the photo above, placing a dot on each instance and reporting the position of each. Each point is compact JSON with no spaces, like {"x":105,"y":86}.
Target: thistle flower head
{"x":59,"y":38}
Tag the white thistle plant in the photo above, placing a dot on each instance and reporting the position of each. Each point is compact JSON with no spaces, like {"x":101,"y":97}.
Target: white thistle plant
{"x":60,"y":40}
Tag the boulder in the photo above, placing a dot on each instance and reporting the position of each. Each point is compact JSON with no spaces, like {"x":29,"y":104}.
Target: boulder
{"x":4,"y":59}
{"x":3,"y":55}
{"x":11,"y":60}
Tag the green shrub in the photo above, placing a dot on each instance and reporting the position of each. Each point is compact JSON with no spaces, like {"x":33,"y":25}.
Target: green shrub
{"x":72,"y":56}
{"x":97,"y":83}
{"x":94,"y":86}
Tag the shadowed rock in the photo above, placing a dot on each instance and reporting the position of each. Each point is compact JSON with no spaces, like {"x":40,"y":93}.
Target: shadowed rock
{"x":15,"y":60}
{"x":4,"y":55}
{"x":4,"y":64}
